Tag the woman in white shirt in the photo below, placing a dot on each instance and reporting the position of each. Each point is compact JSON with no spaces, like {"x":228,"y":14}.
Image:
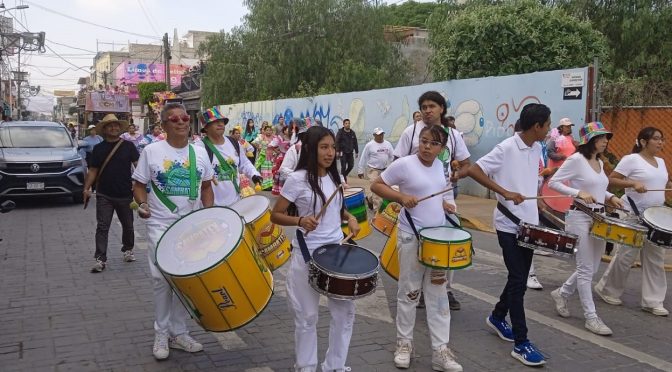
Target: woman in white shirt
{"x":315,"y":179}
{"x":638,"y":173}
{"x":582,"y":176}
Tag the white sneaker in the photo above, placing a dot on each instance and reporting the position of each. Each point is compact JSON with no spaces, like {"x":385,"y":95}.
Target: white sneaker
{"x":597,"y":326}
{"x":98,"y":267}
{"x":443,"y":359}
{"x":608,"y":299}
{"x":560,"y":303}
{"x":659,"y":311}
{"x":161,"y":346}
{"x":186,"y":343}
{"x":533,"y":283}
{"x":128,"y":256}
{"x":402,"y":356}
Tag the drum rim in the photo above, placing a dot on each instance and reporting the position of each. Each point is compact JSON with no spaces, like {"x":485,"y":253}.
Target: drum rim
{"x":554,"y":252}
{"x":361,"y":190}
{"x":267,"y":209}
{"x":547,"y":229}
{"x":156,"y":250}
{"x":346,"y":276}
{"x":342,"y":297}
{"x":653,"y":225}
{"x":423,"y":238}
{"x":621,"y":223}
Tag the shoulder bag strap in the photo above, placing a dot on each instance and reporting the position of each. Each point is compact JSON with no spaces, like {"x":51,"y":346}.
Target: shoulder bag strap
{"x":107,"y":160}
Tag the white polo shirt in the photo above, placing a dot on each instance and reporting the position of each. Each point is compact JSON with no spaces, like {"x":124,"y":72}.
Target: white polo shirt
{"x":514,"y":166}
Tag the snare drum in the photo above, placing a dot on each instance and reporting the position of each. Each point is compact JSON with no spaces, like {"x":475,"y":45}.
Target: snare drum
{"x":618,"y":231}
{"x":445,"y":248}
{"x":353,"y":197}
{"x":659,"y":222}
{"x":558,"y":242}
{"x":386,"y":217}
{"x":344,"y":271}
{"x":209,"y":259}
{"x":389,"y":256}
{"x":270,"y":238}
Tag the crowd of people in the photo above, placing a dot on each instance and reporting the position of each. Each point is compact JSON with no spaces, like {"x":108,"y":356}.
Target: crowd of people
{"x":297,"y":162}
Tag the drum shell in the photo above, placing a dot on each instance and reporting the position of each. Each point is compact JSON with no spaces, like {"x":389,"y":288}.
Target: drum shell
{"x":386,"y":217}
{"x":658,"y":234}
{"x":364,"y":230}
{"x":558,"y":242}
{"x":340,"y":285}
{"x":353,"y":197}
{"x":389,"y":256}
{"x":613,"y":232}
{"x":445,"y":255}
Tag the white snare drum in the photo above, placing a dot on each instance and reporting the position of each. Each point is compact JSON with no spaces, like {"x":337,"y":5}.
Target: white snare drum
{"x":659,"y":222}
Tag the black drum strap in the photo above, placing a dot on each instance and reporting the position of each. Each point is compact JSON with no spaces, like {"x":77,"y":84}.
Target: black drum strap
{"x":633,"y":206}
{"x":450,"y":220}
{"x":410,"y":222}
{"x":302,"y":245}
{"x":505,"y":211}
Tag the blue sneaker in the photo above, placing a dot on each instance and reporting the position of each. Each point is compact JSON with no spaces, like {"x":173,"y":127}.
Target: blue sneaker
{"x":528,"y":354}
{"x":502,"y":328}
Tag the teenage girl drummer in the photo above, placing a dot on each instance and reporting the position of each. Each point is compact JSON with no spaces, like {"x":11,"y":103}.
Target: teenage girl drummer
{"x":309,"y":187}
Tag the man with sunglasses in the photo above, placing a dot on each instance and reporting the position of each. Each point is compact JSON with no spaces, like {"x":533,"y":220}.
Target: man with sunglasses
{"x":178,"y":186}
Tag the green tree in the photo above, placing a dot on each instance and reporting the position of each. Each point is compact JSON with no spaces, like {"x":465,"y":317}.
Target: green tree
{"x":288,"y":48}
{"x":491,"y":38}
{"x":146,"y":90}
{"x":409,"y":13}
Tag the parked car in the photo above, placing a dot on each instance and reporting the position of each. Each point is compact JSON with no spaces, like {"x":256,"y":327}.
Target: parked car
{"x":39,"y":158}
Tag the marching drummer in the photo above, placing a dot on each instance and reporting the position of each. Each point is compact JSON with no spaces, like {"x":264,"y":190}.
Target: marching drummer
{"x":509,"y":169}
{"x":419,"y":175}
{"x":224,"y":155}
{"x":179,"y":175}
{"x":315,"y":179}
{"x":582,"y":176}
{"x":639,"y":173}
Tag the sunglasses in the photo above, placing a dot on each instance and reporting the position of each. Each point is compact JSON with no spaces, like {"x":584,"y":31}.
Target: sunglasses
{"x":177,"y":119}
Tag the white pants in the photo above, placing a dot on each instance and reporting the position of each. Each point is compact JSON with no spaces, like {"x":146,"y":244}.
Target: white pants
{"x":304,"y":303}
{"x":588,"y":256}
{"x":654,"y":282}
{"x":170,"y":314}
{"x":372,"y":174}
{"x":532,"y":270}
{"x":413,"y":278}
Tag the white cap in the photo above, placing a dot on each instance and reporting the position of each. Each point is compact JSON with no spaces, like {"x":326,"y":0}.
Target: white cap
{"x":378,"y":131}
{"x":91,"y":127}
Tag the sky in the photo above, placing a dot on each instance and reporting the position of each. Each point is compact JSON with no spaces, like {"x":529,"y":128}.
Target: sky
{"x":149,"y":18}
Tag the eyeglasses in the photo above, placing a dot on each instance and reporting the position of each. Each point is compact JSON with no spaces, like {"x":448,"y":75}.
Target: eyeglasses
{"x":177,"y":119}
{"x":426,"y":142}
{"x":656,"y":138}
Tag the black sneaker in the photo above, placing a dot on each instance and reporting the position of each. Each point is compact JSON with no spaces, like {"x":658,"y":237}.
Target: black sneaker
{"x":453,"y":303}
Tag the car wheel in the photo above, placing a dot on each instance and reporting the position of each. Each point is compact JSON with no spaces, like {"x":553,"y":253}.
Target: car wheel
{"x":78,"y":198}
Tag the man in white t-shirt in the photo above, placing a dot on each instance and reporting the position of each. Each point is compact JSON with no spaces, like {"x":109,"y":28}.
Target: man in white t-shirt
{"x":166,"y":167}
{"x":224,"y":155}
{"x":376,"y":156}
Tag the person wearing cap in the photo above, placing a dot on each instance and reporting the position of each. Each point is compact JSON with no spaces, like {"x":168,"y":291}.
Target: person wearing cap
{"x":91,"y":140}
{"x":225,"y":155}
{"x":110,"y":170}
{"x":376,"y":156}
{"x":560,"y":146}
{"x":582,"y":176}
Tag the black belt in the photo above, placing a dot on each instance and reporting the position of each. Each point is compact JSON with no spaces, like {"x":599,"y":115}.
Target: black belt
{"x":596,"y":210}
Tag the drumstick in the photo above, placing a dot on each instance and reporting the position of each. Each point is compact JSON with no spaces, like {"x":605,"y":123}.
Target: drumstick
{"x":346,"y":238}
{"x":611,"y":206}
{"x":660,"y":190}
{"x":324,"y":207}
{"x":547,"y":197}
{"x":435,"y":194}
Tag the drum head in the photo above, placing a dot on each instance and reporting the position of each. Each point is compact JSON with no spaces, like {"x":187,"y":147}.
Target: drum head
{"x":251,"y":207}
{"x":659,"y":217}
{"x":352,"y":191}
{"x":444,"y":234}
{"x":345,"y":259}
{"x":558,"y":204}
{"x":199,"y":241}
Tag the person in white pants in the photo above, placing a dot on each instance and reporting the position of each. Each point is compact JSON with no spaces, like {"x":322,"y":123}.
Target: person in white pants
{"x":315,"y":179}
{"x":173,"y":195}
{"x":417,"y":176}
{"x":584,"y":178}
{"x":638,"y":173}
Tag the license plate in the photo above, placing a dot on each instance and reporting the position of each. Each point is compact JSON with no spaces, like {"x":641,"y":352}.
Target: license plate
{"x":38,"y":186}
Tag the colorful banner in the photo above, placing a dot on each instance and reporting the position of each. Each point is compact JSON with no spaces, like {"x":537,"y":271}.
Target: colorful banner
{"x":134,"y":73}
{"x":106,"y":102}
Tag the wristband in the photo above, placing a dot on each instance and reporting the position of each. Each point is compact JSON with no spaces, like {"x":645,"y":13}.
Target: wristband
{"x":299,"y":224}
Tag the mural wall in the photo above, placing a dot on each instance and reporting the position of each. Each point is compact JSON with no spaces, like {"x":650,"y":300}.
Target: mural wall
{"x":485,"y":109}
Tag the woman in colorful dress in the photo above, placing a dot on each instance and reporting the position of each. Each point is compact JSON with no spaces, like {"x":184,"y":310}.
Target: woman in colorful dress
{"x":264,"y":163}
{"x":280,"y":145}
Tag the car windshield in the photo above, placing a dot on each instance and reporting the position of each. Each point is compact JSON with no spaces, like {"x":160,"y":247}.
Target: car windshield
{"x":30,"y":136}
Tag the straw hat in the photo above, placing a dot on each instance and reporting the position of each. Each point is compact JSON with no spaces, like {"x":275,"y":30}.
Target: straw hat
{"x":111,"y":118}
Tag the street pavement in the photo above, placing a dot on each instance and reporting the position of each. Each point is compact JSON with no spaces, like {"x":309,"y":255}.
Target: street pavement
{"x":57,"y":316}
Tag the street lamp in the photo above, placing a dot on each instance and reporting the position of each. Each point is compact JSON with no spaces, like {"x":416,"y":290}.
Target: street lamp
{"x":18,"y":7}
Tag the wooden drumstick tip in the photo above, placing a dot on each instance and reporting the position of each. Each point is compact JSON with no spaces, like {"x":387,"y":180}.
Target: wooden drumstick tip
{"x":345,"y":240}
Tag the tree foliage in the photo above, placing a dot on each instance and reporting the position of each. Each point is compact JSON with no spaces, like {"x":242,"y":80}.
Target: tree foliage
{"x":509,"y":37}
{"x":146,"y":90}
{"x":409,"y":13}
{"x":288,"y":48}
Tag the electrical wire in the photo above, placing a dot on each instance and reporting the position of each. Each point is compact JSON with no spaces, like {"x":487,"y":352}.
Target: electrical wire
{"x":144,"y":11}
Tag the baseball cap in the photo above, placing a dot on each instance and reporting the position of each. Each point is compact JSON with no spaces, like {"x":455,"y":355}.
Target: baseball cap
{"x":378,"y":131}
{"x":565,"y":121}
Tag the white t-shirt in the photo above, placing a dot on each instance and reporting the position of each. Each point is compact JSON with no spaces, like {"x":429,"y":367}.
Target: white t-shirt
{"x":298,"y":191}
{"x":375,"y":155}
{"x":634,"y":167}
{"x":290,"y":161}
{"x":168,"y":168}
{"x":225,"y":192}
{"x":409,"y":140}
{"x":576,"y":174}
{"x":414,"y":178}
{"x":514,"y":166}
{"x":456,"y":145}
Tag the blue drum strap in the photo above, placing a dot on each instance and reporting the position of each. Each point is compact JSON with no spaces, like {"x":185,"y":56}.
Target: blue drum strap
{"x":633,"y":206}
{"x":302,"y":245}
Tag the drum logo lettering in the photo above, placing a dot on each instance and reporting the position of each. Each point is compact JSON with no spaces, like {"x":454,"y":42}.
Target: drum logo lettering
{"x":460,"y":255}
{"x":226,"y":299}
{"x":202,"y":238}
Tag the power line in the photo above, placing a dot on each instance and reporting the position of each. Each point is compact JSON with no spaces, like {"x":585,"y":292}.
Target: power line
{"x":65,"y":60}
{"x":89,"y":22}
{"x":70,"y":46}
{"x":144,"y":11}
{"x":45,"y":74}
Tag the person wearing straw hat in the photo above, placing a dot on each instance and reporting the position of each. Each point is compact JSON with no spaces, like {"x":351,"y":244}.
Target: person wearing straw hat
{"x":582,"y":176}
{"x":225,"y":156}
{"x":110,"y":170}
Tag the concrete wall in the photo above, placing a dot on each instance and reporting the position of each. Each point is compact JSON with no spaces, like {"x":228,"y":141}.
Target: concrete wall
{"x":485,"y":108}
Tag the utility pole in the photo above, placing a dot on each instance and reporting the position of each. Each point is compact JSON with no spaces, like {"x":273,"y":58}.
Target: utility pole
{"x":166,"y":58}
{"x":18,"y":86}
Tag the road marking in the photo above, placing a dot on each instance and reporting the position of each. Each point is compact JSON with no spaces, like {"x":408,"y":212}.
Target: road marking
{"x":262,"y":369}
{"x":229,"y":340}
{"x":576,"y":332}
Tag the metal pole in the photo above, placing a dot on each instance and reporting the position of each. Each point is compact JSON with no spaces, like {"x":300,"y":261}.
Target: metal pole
{"x":18,"y":87}
{"x":596,"y":68}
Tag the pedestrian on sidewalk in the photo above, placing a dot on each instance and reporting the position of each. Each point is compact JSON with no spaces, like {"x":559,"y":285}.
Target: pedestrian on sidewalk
{"x":511,"y":170}
{"x":346,"y":144}
{"x":166,"y":167}
{"x":110,"y":171}
{"x":376,"y":156}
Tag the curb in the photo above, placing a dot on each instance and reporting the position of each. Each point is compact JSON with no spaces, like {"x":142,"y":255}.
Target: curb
{"x":474,"y":223}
